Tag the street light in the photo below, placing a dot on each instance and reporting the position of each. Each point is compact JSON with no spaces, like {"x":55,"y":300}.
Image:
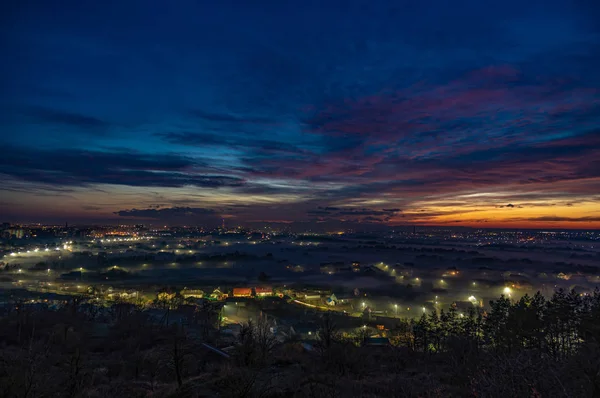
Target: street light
{"x":396,"y":308}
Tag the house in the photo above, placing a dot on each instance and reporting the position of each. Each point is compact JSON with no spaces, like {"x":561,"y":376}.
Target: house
{"x":164,"y":296}
{"x":126,"y":295}
{"x":217,"y":295}
{"x":562,"y":275}
{"x":195,"y":293}
{"x":242,"y":292}
{"x":332,"y":300}
{"x":263,"y":291}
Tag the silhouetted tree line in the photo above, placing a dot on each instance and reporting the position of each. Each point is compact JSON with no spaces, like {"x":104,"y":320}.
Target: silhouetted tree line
{"x":557,"y":327}
{"x":531,"y":347}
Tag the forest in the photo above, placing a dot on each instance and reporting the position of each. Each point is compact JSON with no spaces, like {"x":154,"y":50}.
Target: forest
{"x":531,"y":347}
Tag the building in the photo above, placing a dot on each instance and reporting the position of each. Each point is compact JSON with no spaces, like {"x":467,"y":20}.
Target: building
{"x":332,"y":300}
{"x":17,"y":233}
{"x":344,"y":297}
{"x":196,"y":293}
{"x":218,"y":295}
{"x":263,"y":291}
{"x":242,"y":292}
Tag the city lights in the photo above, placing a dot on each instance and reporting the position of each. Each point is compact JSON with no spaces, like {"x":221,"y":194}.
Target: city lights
{"x":255,"y":172}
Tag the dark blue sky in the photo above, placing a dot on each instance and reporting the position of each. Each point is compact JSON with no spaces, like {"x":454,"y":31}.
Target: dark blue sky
{"x":394,"y":112}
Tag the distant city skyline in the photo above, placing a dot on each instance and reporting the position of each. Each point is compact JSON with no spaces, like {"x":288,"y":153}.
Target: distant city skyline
{"x":463,"y":114}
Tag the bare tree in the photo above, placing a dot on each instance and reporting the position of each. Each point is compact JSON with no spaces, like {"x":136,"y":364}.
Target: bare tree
{"x":264,"y":339}
{"x":328,"y":333}
{"x":180,"y":352}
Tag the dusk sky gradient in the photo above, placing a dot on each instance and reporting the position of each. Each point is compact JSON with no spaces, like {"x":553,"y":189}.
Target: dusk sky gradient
{"x":464,"y":113}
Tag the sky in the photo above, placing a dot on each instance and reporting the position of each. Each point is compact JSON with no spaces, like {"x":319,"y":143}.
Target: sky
{"x":315,"y":113}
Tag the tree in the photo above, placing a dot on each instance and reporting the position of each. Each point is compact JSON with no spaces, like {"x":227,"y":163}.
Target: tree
{"x":255,"y":342}
{"x":496,"y":325}
{"x":264,"y":339}
{"x":328,"y":333}
{"x":180,"y":351}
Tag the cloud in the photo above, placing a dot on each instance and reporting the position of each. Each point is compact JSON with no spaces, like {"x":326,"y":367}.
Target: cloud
{"x":565,"y":219}
{"x":166,"y":213}
{"x":353,"y":214}
{"x":91,"y":208}
{"x":65,"y":118}
{"x":230,"y":118}
{"x":249,"y":143}
{"x":381,"y":109}
{"x":72,"y":167}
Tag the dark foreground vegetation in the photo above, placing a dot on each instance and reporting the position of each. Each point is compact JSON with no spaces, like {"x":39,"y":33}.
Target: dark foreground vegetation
{"x":528,"y":348}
